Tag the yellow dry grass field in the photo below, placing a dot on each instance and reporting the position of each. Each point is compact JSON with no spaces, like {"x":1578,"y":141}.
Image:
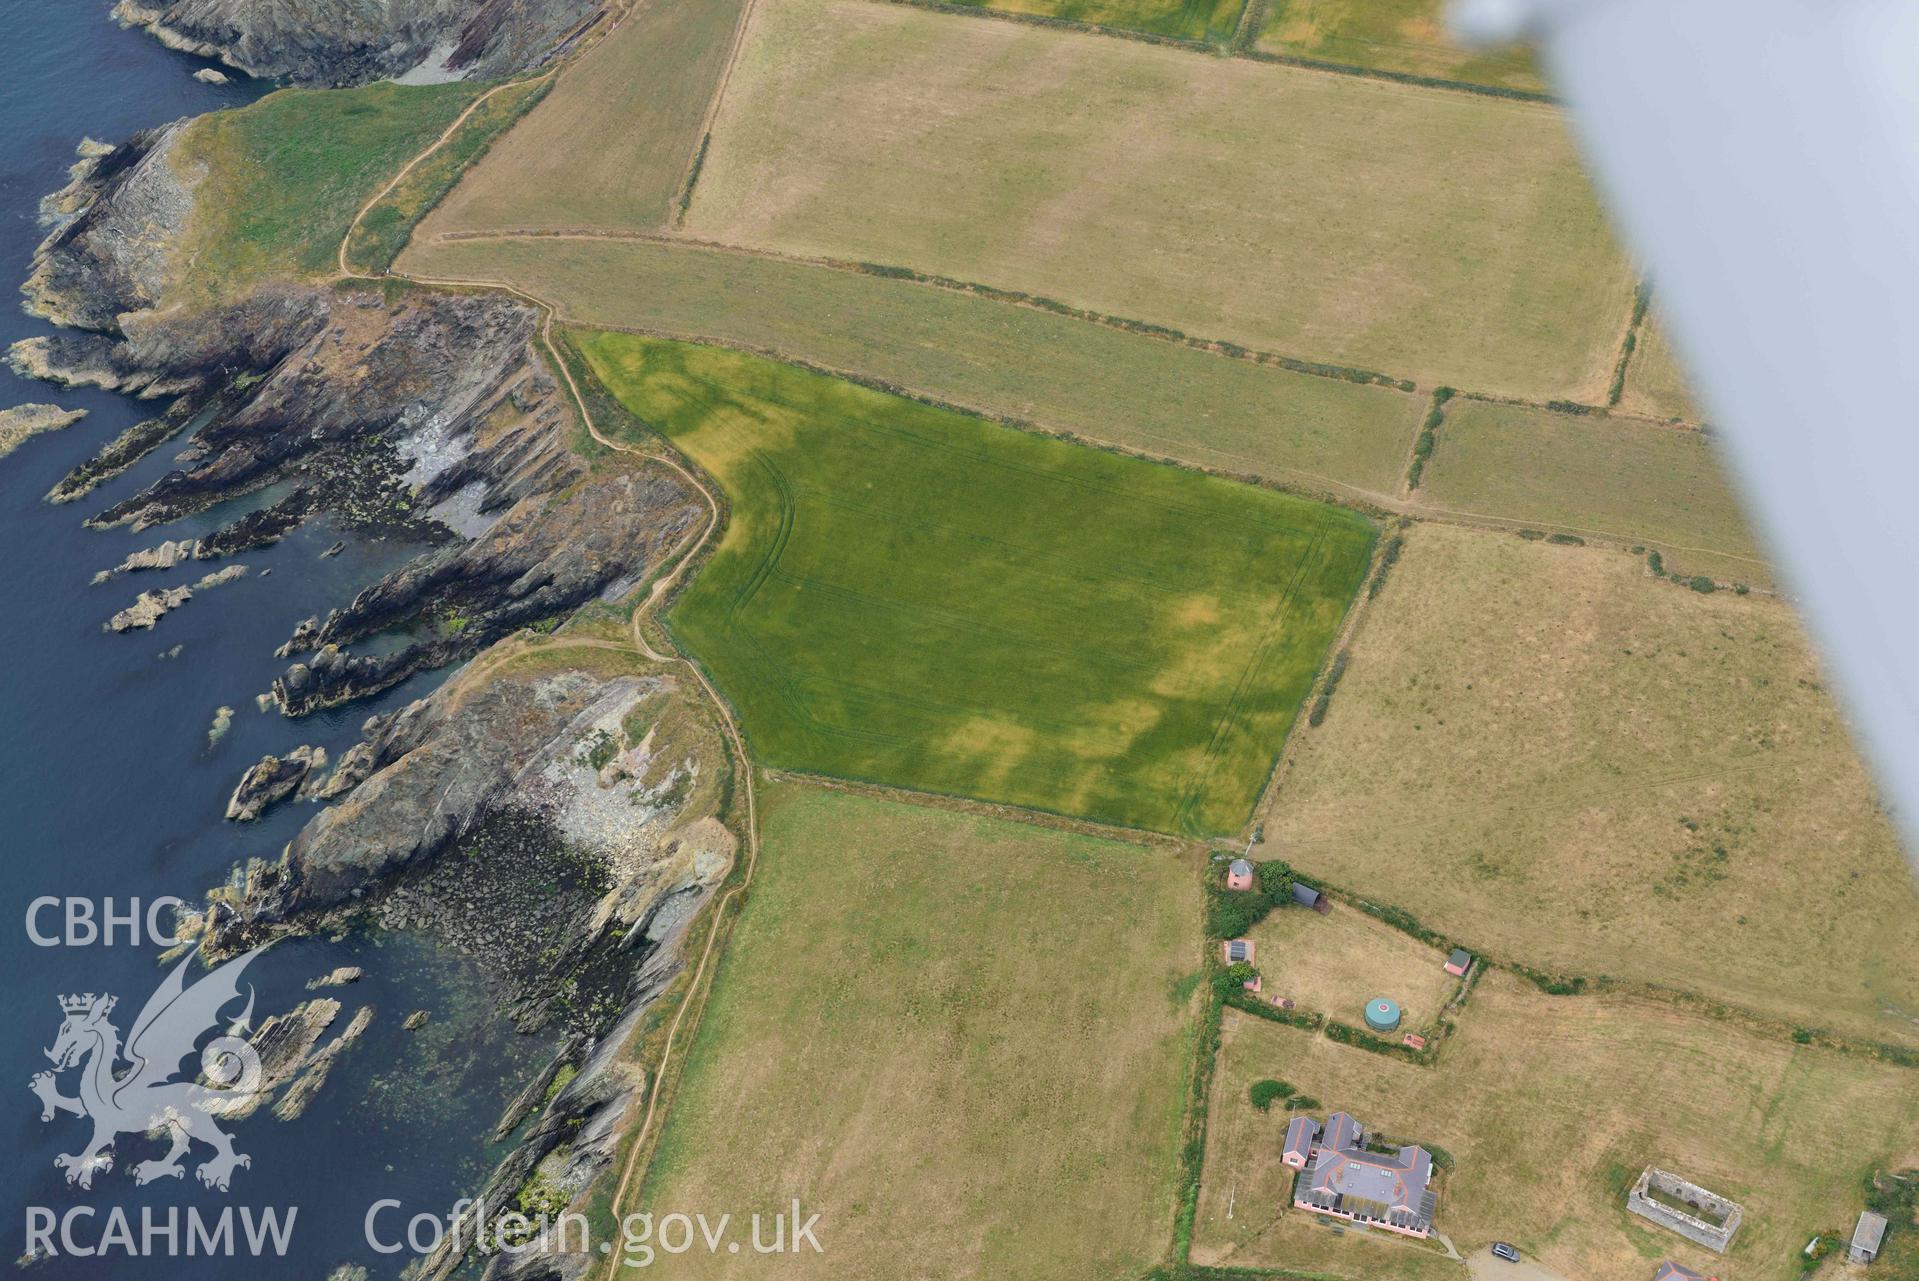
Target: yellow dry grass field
{"x":965,"y":1043}
{"x":1439,"y":236}
{"x":1336,"y":963}
{"x":1655,"y":384}
{"x":1550,"y":1107}
{"x":1617,"y":478}
{"x":1551,"y":756}
{"x":1320,"y":435}
{"x":612,"y":144}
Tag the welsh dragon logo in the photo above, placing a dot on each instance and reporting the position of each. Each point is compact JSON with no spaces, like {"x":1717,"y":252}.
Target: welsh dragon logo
{"x":142,"y":1097}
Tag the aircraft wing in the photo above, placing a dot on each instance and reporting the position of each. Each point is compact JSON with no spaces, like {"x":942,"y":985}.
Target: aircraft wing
{"x":1762,"y":159}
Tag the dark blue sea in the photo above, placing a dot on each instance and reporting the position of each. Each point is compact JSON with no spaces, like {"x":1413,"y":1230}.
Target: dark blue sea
{"x":111,"y":790}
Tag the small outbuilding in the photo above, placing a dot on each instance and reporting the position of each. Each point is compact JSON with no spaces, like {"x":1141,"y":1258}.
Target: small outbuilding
{"x":1670,"y":1271}
{"x":1867,"y":1236}
{"x":1238,"y":950}
{"x":1306,"y":896}
{"x":1239,"y":875}
{"x":1459,"y":962}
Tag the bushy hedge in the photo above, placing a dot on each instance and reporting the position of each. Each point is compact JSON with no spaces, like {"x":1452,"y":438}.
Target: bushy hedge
{"x":1230,"y":913}
{"x":1359,"y":1040}
{"x":1232,"y":979}
{"x":1551,"y":984}
{"x":1246,"y":1003}
{"x":1428,"y":435}
{"x":1265,"y":1093}
{"x":1325,"y":698}
{"x":1388,"y":557}
{"x":1617,"y":390}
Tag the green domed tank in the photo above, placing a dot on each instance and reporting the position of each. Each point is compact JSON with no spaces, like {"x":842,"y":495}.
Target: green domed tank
{"x":1382,"y":1014}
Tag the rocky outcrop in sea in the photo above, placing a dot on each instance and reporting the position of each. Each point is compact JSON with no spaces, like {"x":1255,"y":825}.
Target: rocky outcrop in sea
{"x":539,"y":561}
{"x":394,"y":412}
{"x":21,"y":422}
{"x":274,"y":779}
{"x":561,"y":822}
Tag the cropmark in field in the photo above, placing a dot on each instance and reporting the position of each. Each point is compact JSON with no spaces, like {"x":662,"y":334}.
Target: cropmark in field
{"x":912,"y":596}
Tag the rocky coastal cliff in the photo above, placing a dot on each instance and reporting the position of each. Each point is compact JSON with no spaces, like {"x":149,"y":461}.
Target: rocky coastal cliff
{"x":561,"y":820}
{"x":389,"y":409}
{"x":346,"y":42}
{"x":560,"y":809}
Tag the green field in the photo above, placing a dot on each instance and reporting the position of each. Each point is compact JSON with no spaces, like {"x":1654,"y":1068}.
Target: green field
{"x":964,"y":1042}
{"x":1436,"y":236}
{"x":284,"y":176}
{"x":1600,"y":476}
{"x":382,"y":232}
{"x":1550,"y":1107}
{"x":1322,"y":435}
{"x":1209,"y":20}
{"x":1403,"y":36}
{"x":1555,"y":758}
{"x":913,"y":596}
{"x":613,"y":143}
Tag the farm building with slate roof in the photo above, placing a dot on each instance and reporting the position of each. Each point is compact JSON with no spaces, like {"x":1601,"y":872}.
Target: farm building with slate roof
{"x":1301,"y":1135}
{"x":1344,"y":1179}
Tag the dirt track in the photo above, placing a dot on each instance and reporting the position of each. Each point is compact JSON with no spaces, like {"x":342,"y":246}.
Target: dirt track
{"x":683,"y":556}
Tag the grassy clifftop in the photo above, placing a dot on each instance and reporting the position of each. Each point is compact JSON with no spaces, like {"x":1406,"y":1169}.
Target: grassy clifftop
{"x":276,"y":183}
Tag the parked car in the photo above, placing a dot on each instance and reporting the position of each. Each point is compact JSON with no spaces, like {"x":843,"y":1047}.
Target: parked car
{"x":1509,"y":1253}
